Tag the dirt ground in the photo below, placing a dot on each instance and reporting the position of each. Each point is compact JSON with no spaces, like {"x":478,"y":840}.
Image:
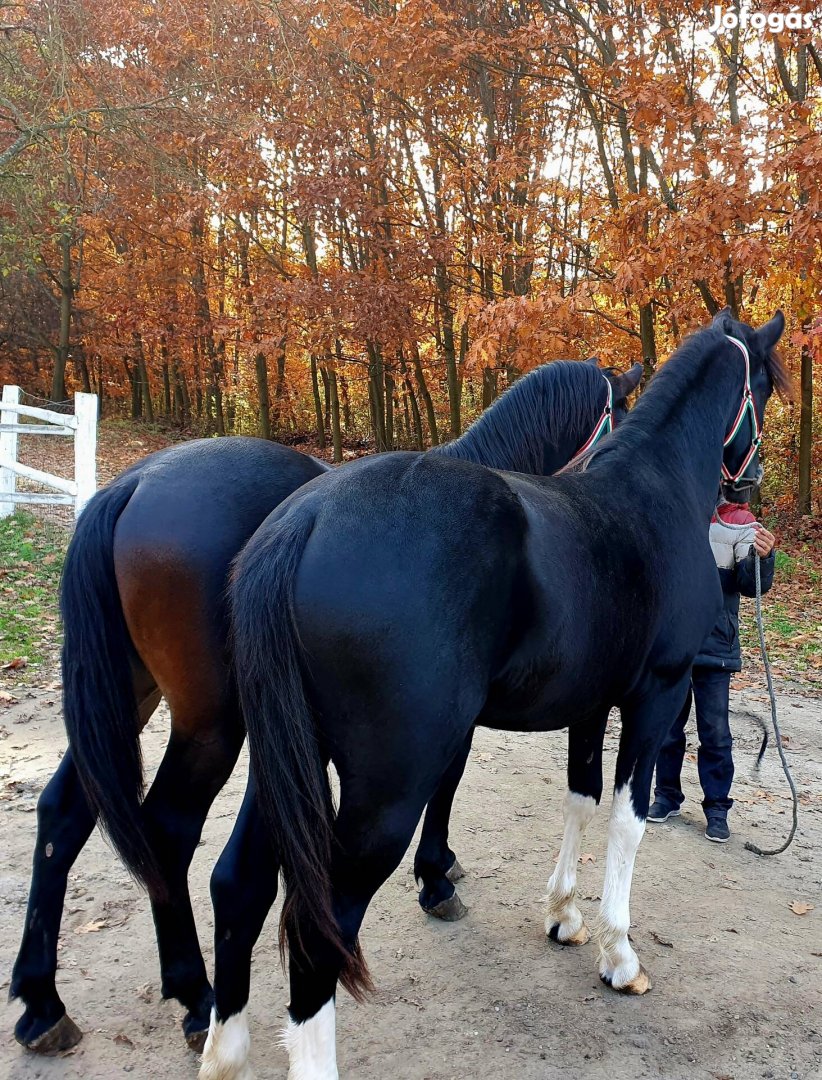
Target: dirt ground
{"x":737,"y":973}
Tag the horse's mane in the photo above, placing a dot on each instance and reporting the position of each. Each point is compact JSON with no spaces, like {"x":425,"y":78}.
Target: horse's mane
{"x":537,"y":410}
{"x":780,"y":376}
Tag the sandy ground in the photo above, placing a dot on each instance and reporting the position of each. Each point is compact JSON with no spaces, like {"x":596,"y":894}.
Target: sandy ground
{"x":737,"y":974}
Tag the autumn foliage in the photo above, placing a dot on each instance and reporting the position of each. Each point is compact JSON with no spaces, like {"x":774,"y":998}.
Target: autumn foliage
{"x":364,"y":219}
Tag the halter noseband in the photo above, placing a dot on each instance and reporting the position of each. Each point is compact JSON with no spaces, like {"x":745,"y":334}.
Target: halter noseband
{"x":604,"y":425}
{"x":746,"y":406}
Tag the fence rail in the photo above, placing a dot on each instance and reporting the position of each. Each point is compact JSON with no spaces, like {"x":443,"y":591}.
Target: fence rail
{"x":81,"y":427}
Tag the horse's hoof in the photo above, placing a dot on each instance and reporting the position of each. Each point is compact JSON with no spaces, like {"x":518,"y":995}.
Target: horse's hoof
{"x":456,"y":873}
{"x":640,"y":984}
{"x":581,"y":937}
{"x":61,"y":1036}
{"x":450,"y":910}
{"x":196,"y":1025}
{"x":196,"y":1040}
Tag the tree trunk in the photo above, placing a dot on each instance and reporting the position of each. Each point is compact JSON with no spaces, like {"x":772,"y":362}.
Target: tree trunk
{"x":346,"y":401}
{"x":489,"y":387}
{"x":389,"y":410}
{"x":376,"y":379}
{"x":426,"y":397}
{"x":415,"y":409}
{"x":647,"y":338}
{"x":58,"y":383}
{"x":805,"y":431}
{"x":261,"y":369}
{"x":318,"y":405}
{"x":336,"y":434}
{"x":142,"y":375}
{"x":81,"y":367}
{"x":326,"y":396}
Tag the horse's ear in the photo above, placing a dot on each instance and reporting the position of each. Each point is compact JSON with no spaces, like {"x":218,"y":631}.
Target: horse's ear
{"x":625,"y":384}
{"x":593,"y":360}
{"x":724,"y":319}
{"x":771,"y":332}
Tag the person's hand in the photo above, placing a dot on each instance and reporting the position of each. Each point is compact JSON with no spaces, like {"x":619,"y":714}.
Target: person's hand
{"x":763,"y":541}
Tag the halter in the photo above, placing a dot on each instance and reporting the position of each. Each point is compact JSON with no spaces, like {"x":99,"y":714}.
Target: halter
{"x":747,"y":406}
{"x":604,"y":425}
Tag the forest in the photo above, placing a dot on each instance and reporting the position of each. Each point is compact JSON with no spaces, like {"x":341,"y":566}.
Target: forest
{"x":355,"y":222}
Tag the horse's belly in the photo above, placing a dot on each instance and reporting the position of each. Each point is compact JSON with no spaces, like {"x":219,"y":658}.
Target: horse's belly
{"x":547,"y":701}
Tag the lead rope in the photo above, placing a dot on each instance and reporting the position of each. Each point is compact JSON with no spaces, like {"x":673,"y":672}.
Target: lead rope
{"x":752,"y":847}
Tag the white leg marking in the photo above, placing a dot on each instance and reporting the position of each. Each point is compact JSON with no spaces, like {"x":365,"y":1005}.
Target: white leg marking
{"x":225,"y":1056}
{"x":312,"y":1046}
{"x":618,"y":963}
{"x":578,"y":810}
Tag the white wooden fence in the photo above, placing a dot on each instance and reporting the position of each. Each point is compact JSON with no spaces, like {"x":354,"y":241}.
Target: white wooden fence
{"x":81,"y":426}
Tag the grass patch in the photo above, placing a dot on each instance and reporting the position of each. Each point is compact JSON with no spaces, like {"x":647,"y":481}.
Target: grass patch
{"x":31,"y":559}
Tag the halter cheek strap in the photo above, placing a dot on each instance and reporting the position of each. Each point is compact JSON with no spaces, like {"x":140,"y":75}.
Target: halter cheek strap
{"x":747,"y":406}
{"x":605,"y":424}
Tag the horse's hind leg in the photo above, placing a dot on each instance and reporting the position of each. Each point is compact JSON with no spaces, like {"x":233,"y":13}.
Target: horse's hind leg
{"x":192,"y":772}
{"x":563,"y":920}
{"x":243,"y":890}
{"x":64,"y":824}
{"x":436,"y":867}
{"x":371,"y":855}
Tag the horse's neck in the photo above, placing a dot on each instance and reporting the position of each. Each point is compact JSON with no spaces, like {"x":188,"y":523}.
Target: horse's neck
{"x":684,"y":438}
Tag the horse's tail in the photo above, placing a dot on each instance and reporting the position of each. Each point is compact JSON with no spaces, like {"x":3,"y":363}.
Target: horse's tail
{"x":292,"y":783}
{"x":99,"y":705}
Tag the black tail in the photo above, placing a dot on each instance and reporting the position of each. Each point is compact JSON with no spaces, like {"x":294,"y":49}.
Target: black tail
{"x":292,"y":783}
{"x":99,"y":706}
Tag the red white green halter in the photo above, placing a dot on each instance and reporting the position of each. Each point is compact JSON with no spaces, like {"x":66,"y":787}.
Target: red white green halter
{"x":746,"y":407}
{"x":605,"y":424}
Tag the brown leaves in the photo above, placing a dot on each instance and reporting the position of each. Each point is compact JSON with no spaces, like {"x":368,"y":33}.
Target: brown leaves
{"x":92,"y":927}
{"x":801,"y":907}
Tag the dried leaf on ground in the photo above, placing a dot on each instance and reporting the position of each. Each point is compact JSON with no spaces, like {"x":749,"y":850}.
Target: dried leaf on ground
{"x":92,"y":927}
{"x":801,"y":907}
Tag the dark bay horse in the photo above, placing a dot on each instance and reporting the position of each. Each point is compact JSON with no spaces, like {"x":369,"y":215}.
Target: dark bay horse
{"x":144,"y":615}
{"x":384,"y":610}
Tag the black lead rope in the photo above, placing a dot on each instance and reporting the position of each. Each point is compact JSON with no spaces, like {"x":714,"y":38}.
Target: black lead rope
{"x":752,"y":847}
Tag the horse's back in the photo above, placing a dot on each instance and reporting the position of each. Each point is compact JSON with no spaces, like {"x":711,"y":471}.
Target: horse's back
{"x":400,"y":595}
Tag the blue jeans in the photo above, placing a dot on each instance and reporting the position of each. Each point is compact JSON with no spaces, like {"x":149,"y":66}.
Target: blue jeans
{"x":709,"y":689}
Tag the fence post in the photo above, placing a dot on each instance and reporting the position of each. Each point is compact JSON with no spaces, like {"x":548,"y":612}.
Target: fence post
{"x":85,"y":449}
{"x":8,"y":450}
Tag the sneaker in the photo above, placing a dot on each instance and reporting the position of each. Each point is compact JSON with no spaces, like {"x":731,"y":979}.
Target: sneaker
{"x":717,"y":829}
{"x":661,"y":811}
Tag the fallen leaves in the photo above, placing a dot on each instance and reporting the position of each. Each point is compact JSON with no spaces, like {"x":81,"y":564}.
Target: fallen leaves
{"x":800,"y":907}
{"x":92,"y":927}
{"x":661,"y":940}
{"x":17,"y":664}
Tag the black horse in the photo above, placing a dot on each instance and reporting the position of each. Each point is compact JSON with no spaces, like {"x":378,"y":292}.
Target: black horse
{"x":384,"y":610}
{"x":144,"y":615}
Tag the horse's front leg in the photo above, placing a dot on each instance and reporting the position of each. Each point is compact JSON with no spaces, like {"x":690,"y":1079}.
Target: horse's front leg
{"x":563,"y":919}
{"x":645,"y":723}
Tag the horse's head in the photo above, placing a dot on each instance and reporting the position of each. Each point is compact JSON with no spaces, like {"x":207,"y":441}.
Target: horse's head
{"x":614,"y":409}
{"x":764,"y":373}
{"x":622,"y":385}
